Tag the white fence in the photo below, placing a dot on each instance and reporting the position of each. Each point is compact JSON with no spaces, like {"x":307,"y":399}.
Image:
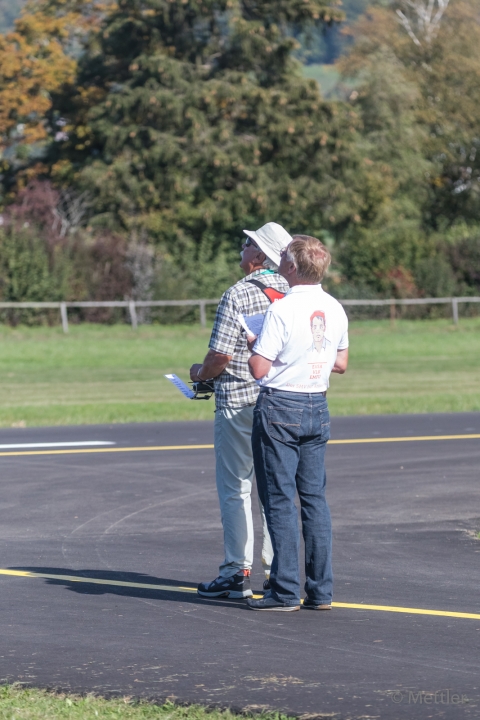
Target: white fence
{"x":132,"y":306}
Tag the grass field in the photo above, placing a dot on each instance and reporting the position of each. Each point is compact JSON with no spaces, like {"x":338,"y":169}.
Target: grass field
{"x":108,"y":374}
{"x":17,"y":703}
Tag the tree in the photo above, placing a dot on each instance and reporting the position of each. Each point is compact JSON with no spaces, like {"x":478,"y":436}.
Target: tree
{"x":202,"y":125}
{"x":421,"y":18}
{"x":383,"y":248}
{"x":36,"y":61}
{"x":418,"y":105}
{"x":450,"y":88}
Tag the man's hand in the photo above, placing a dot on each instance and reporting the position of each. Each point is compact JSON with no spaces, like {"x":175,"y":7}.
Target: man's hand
{"x":194,"y":371}
{"x":259,"y":366}
{"x":213,"y":365}
{"x":341,"y":362}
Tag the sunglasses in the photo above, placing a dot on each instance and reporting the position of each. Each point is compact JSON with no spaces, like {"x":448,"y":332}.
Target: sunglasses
{"x":249,"y":242}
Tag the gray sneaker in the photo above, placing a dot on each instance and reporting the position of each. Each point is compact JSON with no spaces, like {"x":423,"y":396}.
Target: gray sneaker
{"x":268,"y":603}
{"x":235,"y":587}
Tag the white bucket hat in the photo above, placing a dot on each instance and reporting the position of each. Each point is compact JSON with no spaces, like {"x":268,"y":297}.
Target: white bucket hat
{"x":270,"y":238}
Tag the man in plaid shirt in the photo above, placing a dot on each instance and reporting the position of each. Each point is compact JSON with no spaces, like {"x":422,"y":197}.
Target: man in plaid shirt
{"x":235,"y":397}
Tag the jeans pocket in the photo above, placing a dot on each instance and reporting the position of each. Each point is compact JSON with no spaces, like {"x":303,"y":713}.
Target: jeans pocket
{"x":284,"y":424}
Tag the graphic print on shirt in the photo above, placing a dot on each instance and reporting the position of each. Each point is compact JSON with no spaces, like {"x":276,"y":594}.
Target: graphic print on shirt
{"x":317,"y":355}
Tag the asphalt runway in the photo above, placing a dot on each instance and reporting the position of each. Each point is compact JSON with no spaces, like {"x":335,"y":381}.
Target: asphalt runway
{"x":87,"y":530}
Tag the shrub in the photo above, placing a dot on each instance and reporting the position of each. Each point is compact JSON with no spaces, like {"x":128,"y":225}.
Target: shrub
{"x":463,"y":252}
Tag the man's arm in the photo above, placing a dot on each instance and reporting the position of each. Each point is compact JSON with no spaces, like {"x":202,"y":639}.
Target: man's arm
{"x":259,"y":366}
{"x":224,"y":336}
{"x":213,"y":365}
{"x":341,"y":361}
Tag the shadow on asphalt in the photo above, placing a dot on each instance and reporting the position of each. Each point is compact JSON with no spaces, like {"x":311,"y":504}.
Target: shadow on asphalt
{"x":86,"y":588}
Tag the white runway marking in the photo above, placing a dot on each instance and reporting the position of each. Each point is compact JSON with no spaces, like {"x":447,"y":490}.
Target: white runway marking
{"x":86,"y":443}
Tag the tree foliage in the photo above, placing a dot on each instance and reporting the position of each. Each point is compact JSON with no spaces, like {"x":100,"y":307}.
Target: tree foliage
{"x":418,"y":106}
{"x":421,"y":18}
{"x":202,"y":124}
{"x":37,"y":61}
{"x":177,"y":124}
{"x":38,"y":263}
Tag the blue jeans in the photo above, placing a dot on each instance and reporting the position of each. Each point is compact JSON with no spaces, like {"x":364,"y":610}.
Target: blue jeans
{"x":289,"y":438}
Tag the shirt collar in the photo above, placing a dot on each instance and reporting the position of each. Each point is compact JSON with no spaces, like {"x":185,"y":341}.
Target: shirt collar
{"x":259,"y":272}
{"x":303,"y":288}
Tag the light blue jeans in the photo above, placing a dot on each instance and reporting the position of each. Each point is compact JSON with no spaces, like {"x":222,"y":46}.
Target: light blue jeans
{"x":235,"y":475}
{"x":290,"y":434}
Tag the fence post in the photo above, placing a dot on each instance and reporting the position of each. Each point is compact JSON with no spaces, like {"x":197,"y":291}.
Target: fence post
{"x":133,"y":314}
{"x":392,"y":312}
{"x":455,"y":310}
{"x":64,"y":316}
{"x":203,"y":314}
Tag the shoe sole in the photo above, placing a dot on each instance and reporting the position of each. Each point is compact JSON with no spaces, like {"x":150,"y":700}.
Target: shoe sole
{"x":317,"y":607}
{"x":231,"y":594}
{"x":276,"y":609}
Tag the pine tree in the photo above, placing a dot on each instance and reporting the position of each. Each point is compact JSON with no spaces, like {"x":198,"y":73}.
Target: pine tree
{"x":193,"y":121}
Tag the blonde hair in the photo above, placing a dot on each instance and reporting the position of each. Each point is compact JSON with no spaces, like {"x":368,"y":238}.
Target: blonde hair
{"x":310,"y":257}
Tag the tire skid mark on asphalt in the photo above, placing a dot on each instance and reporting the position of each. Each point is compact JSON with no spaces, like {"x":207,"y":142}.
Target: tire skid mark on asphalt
{"x":175,"y":499}
{"x":183,"y":589}
{"x":142,"y":502}
{"x":145,"y":505}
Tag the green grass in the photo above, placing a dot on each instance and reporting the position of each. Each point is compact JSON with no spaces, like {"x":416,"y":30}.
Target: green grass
{"x":414,"y":367}
{"x":17,"y":703}
{"x":97,"y":374}
{"x":108,"y":374}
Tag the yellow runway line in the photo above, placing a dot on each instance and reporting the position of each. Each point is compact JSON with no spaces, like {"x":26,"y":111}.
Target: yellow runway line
{"x":181,"y":589}
{"x":96,"y":581}
{"x":157,"y":448}
{"x":418,"y":438}
{"x":147,"y":448}
{"x":408,"y":611}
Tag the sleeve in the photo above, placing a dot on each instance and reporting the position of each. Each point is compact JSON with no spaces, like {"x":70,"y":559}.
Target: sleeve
{"x":226,"y":328}
{"x":272,"y":338}
{"x":344,"y":342}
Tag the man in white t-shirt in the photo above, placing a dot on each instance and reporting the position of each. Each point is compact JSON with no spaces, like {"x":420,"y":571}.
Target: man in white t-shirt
{"x":304,"y":338}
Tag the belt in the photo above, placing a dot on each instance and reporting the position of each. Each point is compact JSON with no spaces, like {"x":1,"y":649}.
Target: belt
{"x":270,"y":390}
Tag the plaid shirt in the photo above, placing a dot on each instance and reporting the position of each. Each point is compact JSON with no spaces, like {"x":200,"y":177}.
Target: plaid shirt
{"x":235,"y":387}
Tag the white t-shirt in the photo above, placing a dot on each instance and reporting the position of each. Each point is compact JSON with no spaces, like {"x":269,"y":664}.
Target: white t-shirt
{"x":301,"y":335}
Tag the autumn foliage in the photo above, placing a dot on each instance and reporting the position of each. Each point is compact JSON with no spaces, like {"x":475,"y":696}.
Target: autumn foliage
{"x":37,"y":62}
